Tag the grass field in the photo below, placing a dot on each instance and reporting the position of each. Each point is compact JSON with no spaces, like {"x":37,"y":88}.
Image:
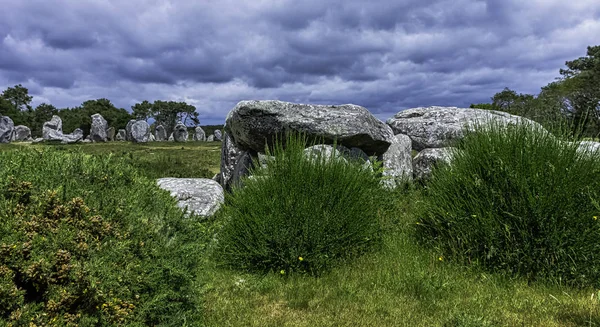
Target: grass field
{"x":401,"y":284}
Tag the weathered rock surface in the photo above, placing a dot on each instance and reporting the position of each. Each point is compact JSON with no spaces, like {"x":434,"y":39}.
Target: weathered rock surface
{"x":128,"y":129}
{"x":254,"y":124}
{"x":199,"y":134}
{"x":160,"y":134}
{"x":98,"y":129}
{"x":171,"y":138}
{"x":589,"y":147}
{"x":52,"y":131}
{"x":140,"y":131}
{"x":21,"y":133}
{"x":398,"y":162}
{"x":7,"y":127}
{"x":427,"y":159}
{"x":218,"y":135}
{"x":436,"y":127}
{"x":151,"y":138}
{"x":235,"y":163}
{"x":121,"y":135}
{"x":210,"y":138}
{"x":110,"y":133}
{"x":200,"y":196}
{"x":180,"y":133}
{"x":326,"y":151}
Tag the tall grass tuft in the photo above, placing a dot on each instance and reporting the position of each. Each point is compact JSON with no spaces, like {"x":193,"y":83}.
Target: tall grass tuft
{"x":517,"y":199}
{"x":300,"y":213}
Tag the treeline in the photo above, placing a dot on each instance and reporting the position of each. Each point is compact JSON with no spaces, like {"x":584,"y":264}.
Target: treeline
{"x":15,"y":102}
{"x":571,"y":103}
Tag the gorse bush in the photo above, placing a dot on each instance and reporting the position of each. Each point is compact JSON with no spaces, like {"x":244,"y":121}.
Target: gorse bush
{"x":300,"y":213}
{"x":87,"y":241}
{"x":518,"y":200}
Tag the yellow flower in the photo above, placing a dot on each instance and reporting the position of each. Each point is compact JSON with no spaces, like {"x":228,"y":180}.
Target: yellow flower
{"x":595,"y":217}
{"x":300,"y":258}
{"x":441,"y":258}
{"x":282,"y":272}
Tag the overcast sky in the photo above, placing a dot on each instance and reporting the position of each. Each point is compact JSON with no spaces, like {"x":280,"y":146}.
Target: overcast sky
{"x":384,"y":55}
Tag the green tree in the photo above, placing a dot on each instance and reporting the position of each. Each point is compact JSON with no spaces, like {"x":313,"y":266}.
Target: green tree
{"x":167,"y":113}
{"x":18,"y":96}
{"x":142,"y":110}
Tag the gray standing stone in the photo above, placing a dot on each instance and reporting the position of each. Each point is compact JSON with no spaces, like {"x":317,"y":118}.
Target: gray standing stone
{"x":151,"y":138}
{"x":235,"y":163}
{"x":53,"y":126}
{"x":121,"y":135}
{"x":160,"y":134}
{"x":218,"y":135}
{"x":180,"y":133}
{"x":7,"y":127}
{"x":98,"y":129}
{"x":427,"y":159}
{"x":199,"y":196}
{"x":140,"y":131}
{"x":254,"y":124}
{"x":21,"y":133}
{"x":199,"y":134}
{"x":110,"y":133}
{"x":171,"y":138}
{"x":436,"y":127}
{"x":210,"y":138}
{"x":130,"y":123}
{"x":397,"y":162}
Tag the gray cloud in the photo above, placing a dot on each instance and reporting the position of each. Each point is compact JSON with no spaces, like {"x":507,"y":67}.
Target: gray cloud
{"x":385,"y":55}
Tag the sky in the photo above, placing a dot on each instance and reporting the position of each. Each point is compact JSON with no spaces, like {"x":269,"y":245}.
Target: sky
{"x":381,"y":54}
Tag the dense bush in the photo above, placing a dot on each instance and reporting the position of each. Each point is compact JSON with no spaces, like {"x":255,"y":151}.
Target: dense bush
{"x":519,"y":200}
{"x":85,"y":240}
{"x":300,"y":213}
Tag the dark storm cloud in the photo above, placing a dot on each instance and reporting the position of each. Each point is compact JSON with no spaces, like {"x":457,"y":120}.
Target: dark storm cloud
{"x":385,"y":55}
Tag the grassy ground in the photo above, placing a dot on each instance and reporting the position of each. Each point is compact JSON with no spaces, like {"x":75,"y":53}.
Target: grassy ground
{"x":401,"y":284}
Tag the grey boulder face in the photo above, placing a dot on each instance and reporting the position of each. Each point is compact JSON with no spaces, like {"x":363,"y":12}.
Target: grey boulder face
{"x":151,"y":138}
{"x":171,"y":138}
{"x":218,"y":135}
{"x":110,"y":133}
{"x":426,"y":160}
{"x":252,"y":124}
{"x":180,"y":133}
{"x":210,"y":138}
{"x":235,"y":163}
{"x":589,"y":147}
{"x":121,"y":135}
{"x":52,"y":131}
{"x":53,"y":126}
{"x":21,"y":133}
{"x":98,"y":129}
{"x":7,"y":127}
{"x":160,"y":134}
{"x":140,"y":131}
{"x":198,"y":196}
{"x":436,"y":127}
{"x":199,"y":134}
{"x":128,"y":129}
{"x":398,"y":162}
{"x":326,"y":152}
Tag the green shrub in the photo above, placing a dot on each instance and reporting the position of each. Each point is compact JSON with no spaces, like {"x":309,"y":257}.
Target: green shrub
{"x":300,"y":213}
{"x":87,"y":241}
{"x":517,"y":199}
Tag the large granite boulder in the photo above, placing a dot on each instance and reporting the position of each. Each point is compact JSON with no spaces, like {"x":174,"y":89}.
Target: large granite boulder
{"x":139,"y":131}
{"x":235,"y":163}
{"x":121,"y":135}
{"x":398,"y":162}
{"x":98,"y":129}
{"x":128,"y":129}
{"x":180,"y":132}
{"x":218,"y":135}
{"x":436,"y":127}
{"x":110,"y":133}
{"x":54,"y":126}
{"x":7,"y":127}
{"x":199,"y":196}
{"x":199,"y":134}
{"x":254,"y":124}
{"x":52,"y":131}
{"x":160,"y":134}
{"x":427,"y":159}
{"x":21,"y":133}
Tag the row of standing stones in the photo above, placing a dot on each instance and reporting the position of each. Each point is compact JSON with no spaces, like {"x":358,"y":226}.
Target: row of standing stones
{"x":137,"y":131}
{"x":253,"y":125}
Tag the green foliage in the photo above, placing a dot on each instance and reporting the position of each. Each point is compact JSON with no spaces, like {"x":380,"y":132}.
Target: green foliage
{"x":18,"y":96}
{"x":80,"y":117}
{"x":167,"y":113}
{"x":86,"y":240}
{"x":519,"y":200}
{"x":300,"y":213}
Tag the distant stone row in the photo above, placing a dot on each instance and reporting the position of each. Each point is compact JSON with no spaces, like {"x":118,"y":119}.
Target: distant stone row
{"x":137,"y":131}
